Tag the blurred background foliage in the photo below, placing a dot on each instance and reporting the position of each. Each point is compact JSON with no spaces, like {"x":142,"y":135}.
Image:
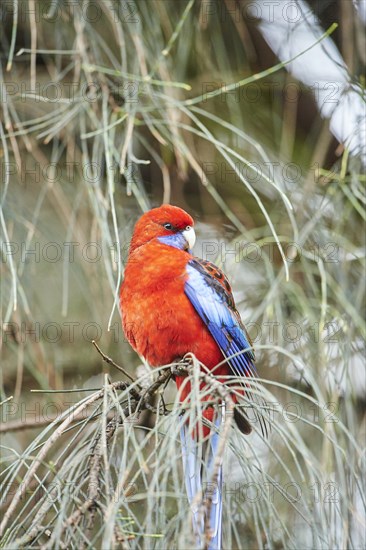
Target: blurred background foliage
{"x":110,"y":108}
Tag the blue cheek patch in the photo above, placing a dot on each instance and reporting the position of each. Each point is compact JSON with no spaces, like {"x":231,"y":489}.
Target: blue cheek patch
{"x":176,"y":240}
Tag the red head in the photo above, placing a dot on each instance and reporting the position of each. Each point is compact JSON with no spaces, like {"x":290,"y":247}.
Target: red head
{"x":171,"y":223}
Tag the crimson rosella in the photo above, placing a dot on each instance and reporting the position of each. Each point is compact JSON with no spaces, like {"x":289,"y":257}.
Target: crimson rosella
{"x":174,"y":303}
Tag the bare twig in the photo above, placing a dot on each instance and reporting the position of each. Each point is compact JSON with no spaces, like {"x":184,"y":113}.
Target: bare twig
{"x":140,"y":400}
{"x":43,"y":452}
{"x":94,"y":477}
{"x":111,"y":362}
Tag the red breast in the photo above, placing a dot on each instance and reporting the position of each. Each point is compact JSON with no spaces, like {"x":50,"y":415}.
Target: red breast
{"x":158,"y":319}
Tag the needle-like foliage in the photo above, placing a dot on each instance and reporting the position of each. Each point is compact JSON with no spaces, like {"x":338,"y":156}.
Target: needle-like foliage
{"x":110,"y":108}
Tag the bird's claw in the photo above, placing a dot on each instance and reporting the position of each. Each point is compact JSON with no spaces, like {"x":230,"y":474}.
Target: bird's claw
{"x":180,"y":368}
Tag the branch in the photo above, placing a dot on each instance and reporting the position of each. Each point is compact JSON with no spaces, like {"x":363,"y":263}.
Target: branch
{"x":76,"y":411}
{"x":110,"y":361}
{"x":140,"y":400}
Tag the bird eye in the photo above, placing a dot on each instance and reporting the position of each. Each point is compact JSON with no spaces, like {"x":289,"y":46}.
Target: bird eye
{"x":188,"y":228}
{"x":168,"y":226}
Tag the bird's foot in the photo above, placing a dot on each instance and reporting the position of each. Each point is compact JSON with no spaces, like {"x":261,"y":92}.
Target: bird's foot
{"x":180,"y":367}
{"x":178,"y":370}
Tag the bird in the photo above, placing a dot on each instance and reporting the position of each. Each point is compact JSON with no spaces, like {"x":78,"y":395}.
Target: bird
{"x":173,"y":304}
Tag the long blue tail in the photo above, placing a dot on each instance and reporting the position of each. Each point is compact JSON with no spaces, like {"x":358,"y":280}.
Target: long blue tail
{"x":198,"y":464}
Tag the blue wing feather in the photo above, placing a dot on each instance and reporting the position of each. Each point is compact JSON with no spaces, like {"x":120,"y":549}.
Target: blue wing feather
{"x":215,"y":305}
{"x":212,"y":299}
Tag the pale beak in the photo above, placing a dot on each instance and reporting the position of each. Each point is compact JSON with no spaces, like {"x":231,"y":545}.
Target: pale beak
{"x":190,"y":236}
